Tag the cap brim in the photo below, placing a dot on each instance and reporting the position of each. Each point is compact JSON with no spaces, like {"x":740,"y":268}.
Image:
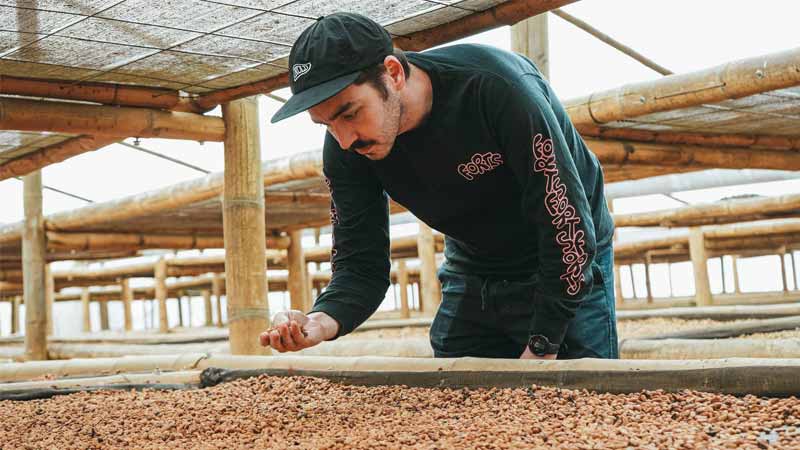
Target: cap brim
{"x":314,"y":96}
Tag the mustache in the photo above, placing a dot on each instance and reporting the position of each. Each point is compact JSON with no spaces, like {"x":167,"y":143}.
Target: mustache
{"x":361,"y":144}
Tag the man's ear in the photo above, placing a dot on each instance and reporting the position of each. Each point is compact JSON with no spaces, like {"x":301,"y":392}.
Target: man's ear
{"x":395,"y":71}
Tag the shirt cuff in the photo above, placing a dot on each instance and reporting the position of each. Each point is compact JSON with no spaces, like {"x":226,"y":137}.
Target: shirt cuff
{"x":549,"y":320}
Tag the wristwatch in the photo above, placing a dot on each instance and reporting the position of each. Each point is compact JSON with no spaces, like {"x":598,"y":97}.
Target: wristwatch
{"x":540,"y":345}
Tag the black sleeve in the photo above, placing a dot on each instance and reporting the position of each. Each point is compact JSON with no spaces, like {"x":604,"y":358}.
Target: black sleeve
{"x":554,"y":201}
{"x":360,"y":261}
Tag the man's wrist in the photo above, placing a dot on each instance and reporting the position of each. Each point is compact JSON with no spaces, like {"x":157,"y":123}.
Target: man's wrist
{"x":329,"y":325}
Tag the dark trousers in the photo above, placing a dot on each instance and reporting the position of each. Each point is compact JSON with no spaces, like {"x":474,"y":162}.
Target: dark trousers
{"x":490,"y":317}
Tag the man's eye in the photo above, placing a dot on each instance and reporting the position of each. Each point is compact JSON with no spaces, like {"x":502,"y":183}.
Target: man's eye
{"x":350,"y":116}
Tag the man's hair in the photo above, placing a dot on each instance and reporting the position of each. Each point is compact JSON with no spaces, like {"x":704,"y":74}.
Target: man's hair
{"x":374,"y":75}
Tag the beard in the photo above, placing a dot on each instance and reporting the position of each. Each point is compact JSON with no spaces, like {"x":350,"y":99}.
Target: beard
{"x":377,"y":149}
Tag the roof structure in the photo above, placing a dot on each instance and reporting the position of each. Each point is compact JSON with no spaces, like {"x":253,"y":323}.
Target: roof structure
{"x":185,"y":56}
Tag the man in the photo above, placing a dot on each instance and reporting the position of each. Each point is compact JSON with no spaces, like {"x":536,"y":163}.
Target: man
{"x":473,"y":141}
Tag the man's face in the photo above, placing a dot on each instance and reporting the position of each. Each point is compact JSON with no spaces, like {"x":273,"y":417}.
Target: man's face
{"x":361,"y":120}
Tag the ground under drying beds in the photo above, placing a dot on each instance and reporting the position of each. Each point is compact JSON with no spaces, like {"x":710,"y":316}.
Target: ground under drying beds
{"x":296,"y":402}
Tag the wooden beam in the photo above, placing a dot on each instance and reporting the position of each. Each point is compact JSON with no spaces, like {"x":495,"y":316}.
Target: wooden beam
{"x":15,"y":314}
{"x":33,"y":266}
{"x":49,"y":295}
{"x":784,"y":272}
{"x":87,"y":313}
{"x":530,"y":38}
{"x":298,"y":284}
{"x":207,"y":307}
{"x":727,"y":211}
{"x":161,"y":295}
{"x":402,"y":281}
{"x":127,"y":301}
{"x":104,"y":325}
{"x":104,"y":93}
{"x":243,"y":218}
{"x":735,"y":269}
{"x":430,"y":291}
{"x":216,"y":290}
{"x":116,"y":121}
{"x":137,"y":241}
{"x":52,"y":154}
{"x":751,"y":141}
{"x":688,"y":156}
{"x":700,"y":267}
{"x":728,"y":81}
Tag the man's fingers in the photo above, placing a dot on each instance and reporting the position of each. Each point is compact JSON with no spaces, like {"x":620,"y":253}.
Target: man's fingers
{"x":286,"y":337}
{"x":298,"y":336}
{"x":275,"y":341}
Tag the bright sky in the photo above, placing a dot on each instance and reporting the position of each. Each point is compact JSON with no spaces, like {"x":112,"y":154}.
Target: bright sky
{"x":681,"y":35}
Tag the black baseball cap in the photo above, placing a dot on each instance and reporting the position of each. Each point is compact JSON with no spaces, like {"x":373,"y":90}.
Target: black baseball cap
{"x":329,"y":56}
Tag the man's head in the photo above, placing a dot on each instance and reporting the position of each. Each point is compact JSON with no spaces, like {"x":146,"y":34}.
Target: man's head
{"x":345,"y":71}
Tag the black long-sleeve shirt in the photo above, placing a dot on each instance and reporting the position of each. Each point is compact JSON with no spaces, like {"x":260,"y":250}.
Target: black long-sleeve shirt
{"x":497,"y":167}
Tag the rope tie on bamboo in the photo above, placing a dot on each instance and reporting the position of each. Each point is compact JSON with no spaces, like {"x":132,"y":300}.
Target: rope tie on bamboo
{"x":247,"y":313}
{"x":243,"y":202}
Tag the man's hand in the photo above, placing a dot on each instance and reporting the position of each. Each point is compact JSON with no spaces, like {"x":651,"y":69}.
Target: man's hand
{"x":528,"y":354}
{"x":292,"y":330}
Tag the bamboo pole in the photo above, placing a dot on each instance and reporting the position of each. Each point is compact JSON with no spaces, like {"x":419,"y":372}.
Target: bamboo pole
{"x":784,"y":273}
{"x":728,"y":81}
{"x":617,"y":285}
{"x":298,"y":283}
{"x":691,"y":156}
{"x":103,"y":315}
{"x":530,"y":38}
{"x":189,"y":310}
{"x":700,"y":267}
{"x":216,"y":289}
{"x":117,"y":121}
{"x":722,"y":271}
{"x":794,"y":270}
{"x":138,"y":241}
{"x":736,"y":287}
{"x":243,"y":219}
{"x":33,"y":259}
{"x":127,"y":300}
{"x":647,"y":287}
{"x":161,"y":295}
{"x":506,"y":13}
{"x":52,"y":154}
{"x":15,"y":314}
{"x":87,"y":314}
{"x":754,"y":141}
{"x":209,"y":320}
{"x":713,"y":213}
{"x":402,"y":281}
{"x":179,"y":302}
{"x":429,"y":285}
{"x":49,"y":295}
{"x":104,"y":93}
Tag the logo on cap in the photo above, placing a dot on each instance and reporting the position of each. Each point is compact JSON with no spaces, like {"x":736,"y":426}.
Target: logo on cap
{"x":298,"y":70}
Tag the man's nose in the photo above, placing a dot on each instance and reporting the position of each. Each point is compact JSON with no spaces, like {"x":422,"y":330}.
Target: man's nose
{"x":344,"y":136}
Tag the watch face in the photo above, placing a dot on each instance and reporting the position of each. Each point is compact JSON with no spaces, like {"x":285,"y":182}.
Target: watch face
{"x":539,"y":345}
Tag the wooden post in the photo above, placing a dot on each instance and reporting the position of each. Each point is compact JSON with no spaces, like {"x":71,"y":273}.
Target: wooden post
{"x":216,"y":291}
{"x":103,"y":314}
{"x":722,"y":272}
{"x":736,"y":288}
{"x":189,"y":310}
{"x":794,"y":269}
{"x":784,"y":272}
{"x":617,"y":285}
{"x":87,"y":312}
{"x":33,"y":267}
{"x":697,"y":250}
{"x":161,"y":294}
{"x":430,"y":292}
{"x":15,"y":314}
{"x":209,"y":320}
{"x":179,"y":301}
{"x":648,"y":288}
{"x":127,"y":300}
{"x":243,"y":228}
{"x":402,"y":282}
{"x":49,"y":296}
{"x":669,"y":279}
{"x":298,"y":285}
{"x":529,"y":37}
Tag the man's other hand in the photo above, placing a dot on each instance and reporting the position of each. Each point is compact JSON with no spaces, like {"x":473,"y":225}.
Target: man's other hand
{"x":528,"y":354}
{"x":292,"y":331}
